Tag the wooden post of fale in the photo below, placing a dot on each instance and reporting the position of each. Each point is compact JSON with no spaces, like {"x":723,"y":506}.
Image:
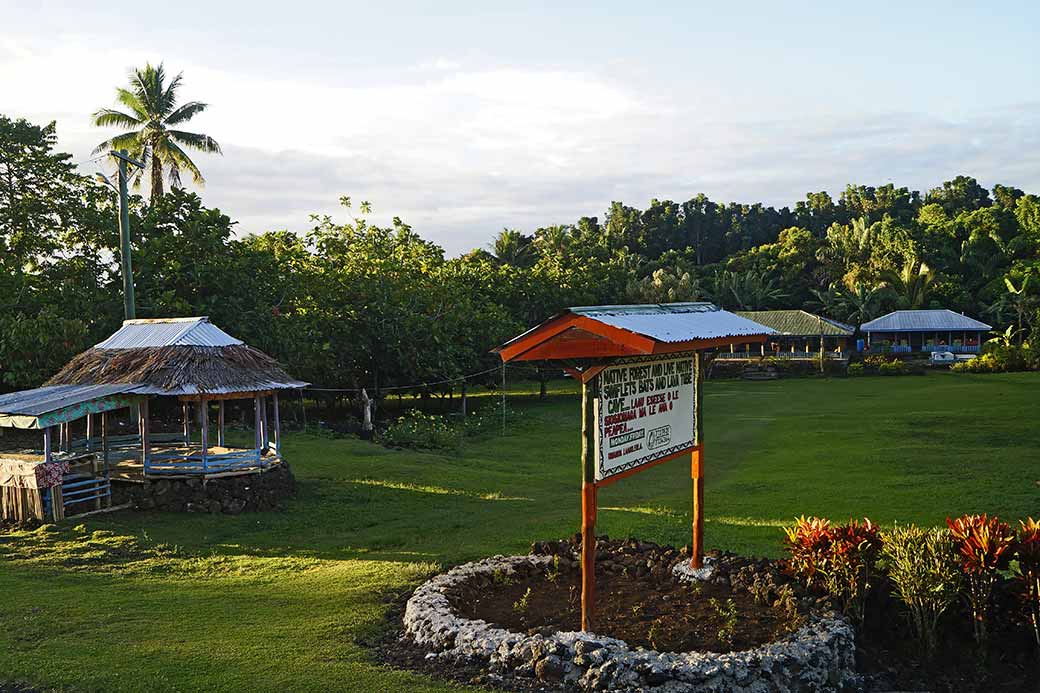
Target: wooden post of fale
{"x":90,"y":433}
{"x":277,"y":425}
{"x":697,"y":466}
{"x":104,"y":456}
{"x":204,"y":432}
{"x":266,"y":439}
{"x":187,"y":423}
{"x":588,"y":501}
{"x":220,"y":423}
{"x":257,"y":433}
{"x":48,"y":456}
{"x":146,"y":444}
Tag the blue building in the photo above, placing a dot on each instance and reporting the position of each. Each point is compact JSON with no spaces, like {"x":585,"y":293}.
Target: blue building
{"x":904,"y":331}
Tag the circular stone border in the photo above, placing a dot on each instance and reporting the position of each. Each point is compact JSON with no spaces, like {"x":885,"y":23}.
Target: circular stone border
{"x":818,"y":657}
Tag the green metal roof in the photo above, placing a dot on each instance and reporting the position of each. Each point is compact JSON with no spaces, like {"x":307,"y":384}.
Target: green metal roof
{"x":798,"y":323}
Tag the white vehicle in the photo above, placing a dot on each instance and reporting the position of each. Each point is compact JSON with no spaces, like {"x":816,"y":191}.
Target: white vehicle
{"x":942,"y":357}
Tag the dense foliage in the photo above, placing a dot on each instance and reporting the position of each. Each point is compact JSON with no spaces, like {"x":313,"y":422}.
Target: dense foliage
{"x":350,"y":304}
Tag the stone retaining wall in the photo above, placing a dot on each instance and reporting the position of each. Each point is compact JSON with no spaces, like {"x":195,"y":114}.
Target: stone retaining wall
{"x":232,"y":494}
{"x":818,"y":657}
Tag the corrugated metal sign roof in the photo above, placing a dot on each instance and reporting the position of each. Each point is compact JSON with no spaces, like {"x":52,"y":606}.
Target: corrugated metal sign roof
{"x":798,"y":322}
{"x":675,"y":322}
{"x":924,"y":321}
{"x":198,"y":331}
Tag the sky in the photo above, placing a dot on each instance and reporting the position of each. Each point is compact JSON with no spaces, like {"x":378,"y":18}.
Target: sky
{"x":467,"y":118}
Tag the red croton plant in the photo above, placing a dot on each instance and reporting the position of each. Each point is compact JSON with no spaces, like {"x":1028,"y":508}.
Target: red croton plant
{"x":985,"y":546}
{"x":840,"y":559}
{"x":1029,"y":569}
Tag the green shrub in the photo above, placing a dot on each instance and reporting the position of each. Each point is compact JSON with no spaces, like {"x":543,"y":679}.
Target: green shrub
{"x":893,"y":367}
{"x":421,"y":432}
{"x":856,"y":369}
{"x":925,"y":571}
{"x":997,"y":358}
{"x":873,"y":362}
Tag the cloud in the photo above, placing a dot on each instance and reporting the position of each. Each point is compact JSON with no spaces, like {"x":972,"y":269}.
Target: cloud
{"x":463,"y":151}
{"x":440,"y":64}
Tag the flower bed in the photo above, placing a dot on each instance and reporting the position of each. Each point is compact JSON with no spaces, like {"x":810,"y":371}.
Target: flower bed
{"x":515,"y":614}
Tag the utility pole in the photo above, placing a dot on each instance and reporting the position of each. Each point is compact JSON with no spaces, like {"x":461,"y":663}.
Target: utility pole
{"x":129,"y":312}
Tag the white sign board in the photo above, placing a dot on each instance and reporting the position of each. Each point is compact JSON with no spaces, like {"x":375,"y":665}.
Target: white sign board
{"x":645,"y":412}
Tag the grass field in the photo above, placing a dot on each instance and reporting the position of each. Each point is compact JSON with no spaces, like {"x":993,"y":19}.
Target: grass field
{"x":278,"y":601}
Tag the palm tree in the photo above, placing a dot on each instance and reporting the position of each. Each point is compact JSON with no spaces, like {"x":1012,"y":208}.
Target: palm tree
{"x":511,"y":247}
{"x":1019,"y":301}
{"x":911,"y":284}
{"x":748,"y":290}
{"x":831,"y":299}
{"x":861,"y":302}
{"x":153,"y":109}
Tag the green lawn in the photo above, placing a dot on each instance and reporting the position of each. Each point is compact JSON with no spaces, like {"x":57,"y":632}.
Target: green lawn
{"x":277,"y":601}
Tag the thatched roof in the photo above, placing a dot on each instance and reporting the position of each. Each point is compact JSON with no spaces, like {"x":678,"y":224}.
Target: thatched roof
{"x":180,"y":356}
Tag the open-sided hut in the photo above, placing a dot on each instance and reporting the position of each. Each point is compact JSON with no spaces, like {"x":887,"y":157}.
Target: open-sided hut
{"x":798,"y":334}
{"x":905,"y":331}
{"x":188,"y":359}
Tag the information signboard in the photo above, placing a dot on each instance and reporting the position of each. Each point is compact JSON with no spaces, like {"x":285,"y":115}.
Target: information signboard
{"x":646,"y":412}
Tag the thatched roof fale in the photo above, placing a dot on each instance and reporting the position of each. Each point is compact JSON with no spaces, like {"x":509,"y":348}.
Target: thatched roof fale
{"x":179,"y":356}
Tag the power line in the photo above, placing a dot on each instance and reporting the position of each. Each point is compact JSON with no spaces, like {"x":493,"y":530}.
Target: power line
{"x":416,"y":386}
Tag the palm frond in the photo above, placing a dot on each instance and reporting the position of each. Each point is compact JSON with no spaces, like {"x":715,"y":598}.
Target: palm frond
{"x":186,"y":112}
{"x":127,"y":140}
{"x":179,"y":159}
{"x":194,"y":140}
{"x":169,"y":96}
{"x":133,"y":102}
{"x":148,"y":87}
{"x":107,"y":117}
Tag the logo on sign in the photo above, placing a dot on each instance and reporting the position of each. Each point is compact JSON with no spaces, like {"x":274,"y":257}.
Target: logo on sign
{"x":659,"y":437}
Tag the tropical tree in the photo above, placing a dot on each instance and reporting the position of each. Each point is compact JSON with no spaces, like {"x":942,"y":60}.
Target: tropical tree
{"x":1019,"y":301}
{"x":831,"y":300}
{"x":748,"y":290}
{"x":911,"y":284}
{"x":153,"y":119}
{"x":510,"y":247}
{"x":663,"y":286}
{"x":862,"y":302}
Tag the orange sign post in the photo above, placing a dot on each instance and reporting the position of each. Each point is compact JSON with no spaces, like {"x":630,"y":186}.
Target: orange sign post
{"x":641,"y":371}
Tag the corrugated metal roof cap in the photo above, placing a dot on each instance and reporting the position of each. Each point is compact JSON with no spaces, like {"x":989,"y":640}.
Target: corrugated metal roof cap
{"x":196,"y":331}
{"x":675,"y":322}
{"x":924,"y":321}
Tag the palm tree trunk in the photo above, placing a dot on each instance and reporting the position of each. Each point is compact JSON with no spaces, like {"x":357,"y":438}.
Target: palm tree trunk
{"x":157,"y":179}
